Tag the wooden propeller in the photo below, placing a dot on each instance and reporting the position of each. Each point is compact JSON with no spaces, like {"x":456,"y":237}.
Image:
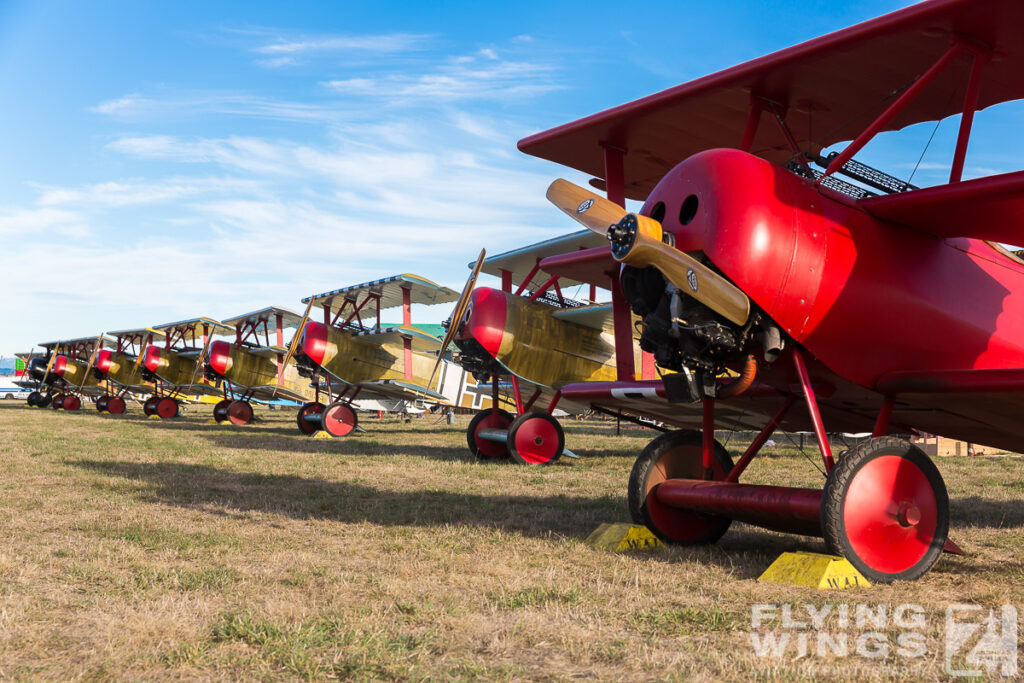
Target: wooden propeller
{"x":92,"y":359}
{"x":49,"y":365}
{"x":590,"y":210}
{"x":294,"y":344}
{"x":460,"y":310}
{"x":202,"y":356}
{"x":638,"y":241}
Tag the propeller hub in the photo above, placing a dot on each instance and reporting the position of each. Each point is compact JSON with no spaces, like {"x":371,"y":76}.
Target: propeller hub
{"x":622,"y":236}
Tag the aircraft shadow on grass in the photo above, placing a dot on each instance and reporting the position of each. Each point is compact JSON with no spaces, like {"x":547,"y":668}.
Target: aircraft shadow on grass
{"x":743,"y":550}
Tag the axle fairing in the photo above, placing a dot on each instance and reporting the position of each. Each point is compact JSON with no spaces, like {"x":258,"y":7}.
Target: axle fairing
{"x":865,"y":296}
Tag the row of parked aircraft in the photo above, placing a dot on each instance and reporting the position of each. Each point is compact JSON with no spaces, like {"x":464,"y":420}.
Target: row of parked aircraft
{"x":514,"y":347}
{"x":752,"y":279}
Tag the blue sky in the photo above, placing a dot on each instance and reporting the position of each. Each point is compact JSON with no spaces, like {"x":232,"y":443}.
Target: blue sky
{"x":171,"y":160}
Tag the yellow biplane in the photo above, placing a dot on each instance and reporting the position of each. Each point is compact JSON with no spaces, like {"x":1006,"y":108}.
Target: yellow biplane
{"x":357,"y":356}
{"x":71,"y":362}
{"x":534,"y":333}
{"x":254,"y":366}
{"x":120,"y":363}
{"x":177,"y":368}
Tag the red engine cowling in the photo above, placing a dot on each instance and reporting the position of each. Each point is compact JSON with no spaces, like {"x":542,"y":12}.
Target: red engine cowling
{"x":865,"y":296}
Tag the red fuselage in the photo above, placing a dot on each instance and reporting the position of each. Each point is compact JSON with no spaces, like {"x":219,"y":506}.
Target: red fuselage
{"x":865,"y":296}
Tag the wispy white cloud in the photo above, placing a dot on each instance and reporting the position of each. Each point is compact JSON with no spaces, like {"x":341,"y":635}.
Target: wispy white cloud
{"x":380,"y":43}
{"x":457,"y":80}
{"x":196,"y":104}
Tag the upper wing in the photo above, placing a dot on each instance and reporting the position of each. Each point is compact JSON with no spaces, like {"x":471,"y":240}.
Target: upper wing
{"x":521,"y":263}
{"x":839,"y":82}
{"x":379,"y":295}
{"x":421,"y":341}
{"x":990,"y":208}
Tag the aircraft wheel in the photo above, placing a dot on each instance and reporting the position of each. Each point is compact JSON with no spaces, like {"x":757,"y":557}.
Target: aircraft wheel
{"x":115,"y":405}
{"x":535,"y":438}
{"x":166,"y":408}
{"x":484,"y":449}
{"x":45,"y":401}
{"x":35,"y":399}
{"x":886,"y":510}
{"x":58,"y":402}
{"x":101,"y":403}
{"x":339,"y":419}
{"x":240,"y":412}
{"x":149,"y":407}
{"x":71,"y":402}
{"x":307,"y":423}
{"x":676,"y":455}
{"x":220,"y":411}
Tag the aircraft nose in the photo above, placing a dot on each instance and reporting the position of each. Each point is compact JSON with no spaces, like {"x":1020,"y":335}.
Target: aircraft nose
{"x":60,"y":365}
{"x":485,"y":320}
{"x":104,"y":360}
{"x":220,"y":357}
{"x":314,"y":341}
{"x":152,"y":359}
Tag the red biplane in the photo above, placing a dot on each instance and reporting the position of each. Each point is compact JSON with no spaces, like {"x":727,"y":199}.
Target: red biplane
{"x":881,"y":307}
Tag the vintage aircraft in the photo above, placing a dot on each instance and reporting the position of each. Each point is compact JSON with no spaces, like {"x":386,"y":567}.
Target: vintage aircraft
{"x":356,"y":355}
{"x":177,"y":367}
{"x":32,"y":378}
{"x":71,"y":361}
{"x":121,"y":366}
{"x":531,"y":331}
{"x":882,"y":307}
{"x":256,"y":369}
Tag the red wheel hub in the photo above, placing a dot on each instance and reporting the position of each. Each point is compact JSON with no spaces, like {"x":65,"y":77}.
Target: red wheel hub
{"x":339,"y":420}
{"x":240,"y":412}
{"x":115,"y":405}
{"x":71,"y":403}
{"x":890,"y":514}
{"x":309,"y":426}
{"x":166,"y":407}
{"x":536,"y":441}
{"x":101,"y":403}
{"x":487,"y":448}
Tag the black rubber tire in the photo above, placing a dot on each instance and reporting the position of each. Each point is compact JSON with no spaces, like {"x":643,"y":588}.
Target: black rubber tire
{"x":838,"y":483}
{"x":526,"y":419}
{"x":45,"y":401}
{"x":691,"y":466}
{"x":471,"y":431}
{"x":34,"y":399}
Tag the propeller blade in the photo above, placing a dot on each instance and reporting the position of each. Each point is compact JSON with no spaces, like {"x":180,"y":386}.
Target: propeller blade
{"x":49,"y":365}
{"x":460,"y":310}
{"x":637,"y":241}
{"x":293,"y":345}
{"x":138,"y":359}
{"x":199,"y":361}
{"x":591,"y":210}
{"x":92,"y":359}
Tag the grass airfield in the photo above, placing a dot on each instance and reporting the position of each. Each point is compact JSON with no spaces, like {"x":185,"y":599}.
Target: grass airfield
{"x":145,"y":549}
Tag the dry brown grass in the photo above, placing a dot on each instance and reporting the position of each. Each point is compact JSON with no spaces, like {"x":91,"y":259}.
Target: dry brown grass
{"x":141,"y":549}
